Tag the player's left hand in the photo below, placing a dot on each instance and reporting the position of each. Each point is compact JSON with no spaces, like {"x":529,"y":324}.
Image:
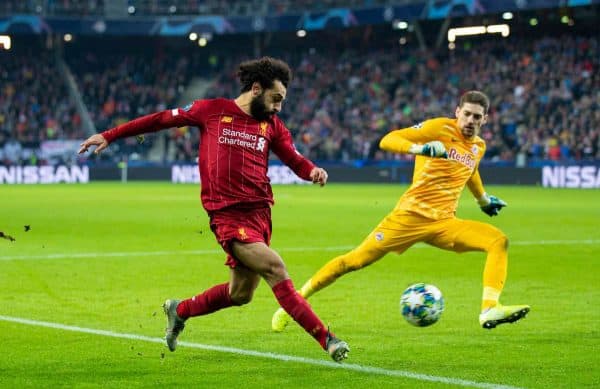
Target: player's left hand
{"x":318,"y":176}
{"x":491,"y":205}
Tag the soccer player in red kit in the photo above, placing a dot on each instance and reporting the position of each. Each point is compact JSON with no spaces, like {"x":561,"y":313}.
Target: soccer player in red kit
{"x":235,"y":139}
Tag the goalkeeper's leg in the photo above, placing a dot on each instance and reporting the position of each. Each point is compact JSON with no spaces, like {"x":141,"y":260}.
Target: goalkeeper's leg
{"x":362,"y":256}
{"x":494,"y":277}
{"x":494,"y":272}
{"x":476,"y":236}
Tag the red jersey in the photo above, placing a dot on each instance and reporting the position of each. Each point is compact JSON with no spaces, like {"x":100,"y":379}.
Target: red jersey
{"x":233,"y":152}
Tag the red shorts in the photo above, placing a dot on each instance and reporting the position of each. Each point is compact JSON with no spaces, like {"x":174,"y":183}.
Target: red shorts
{"x":243,"y":225}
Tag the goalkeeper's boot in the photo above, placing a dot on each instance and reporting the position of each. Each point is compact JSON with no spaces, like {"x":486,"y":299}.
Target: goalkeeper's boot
{"x":501,"y":314}
{"x":337,"y":348}
{"x":280,"y":320}
{"x":175,"y":324}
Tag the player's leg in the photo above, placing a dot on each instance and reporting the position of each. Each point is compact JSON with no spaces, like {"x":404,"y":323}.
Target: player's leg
{"x":469,"y":235}
{"x":358,"y":258}
{"x":268,"y":264}
{"x":363,"y":255}
{"x":397,"y":232}
{"x":243,"y":281}
{"x":238,"y":291}
{"x":242,"y":284}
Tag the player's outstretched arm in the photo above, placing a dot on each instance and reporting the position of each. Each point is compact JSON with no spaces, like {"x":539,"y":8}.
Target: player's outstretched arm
{"x":413,"y":141}
{"x":95,"y":140}
{"x":143,"y":124}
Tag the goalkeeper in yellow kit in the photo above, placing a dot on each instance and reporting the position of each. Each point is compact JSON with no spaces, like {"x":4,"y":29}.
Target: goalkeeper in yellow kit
{"x":447,"y":152}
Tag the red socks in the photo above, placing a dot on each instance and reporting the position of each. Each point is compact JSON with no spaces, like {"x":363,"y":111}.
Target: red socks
{"x":210,"y":301}
{"x":218,"y":297}
{"x":299,"y":310}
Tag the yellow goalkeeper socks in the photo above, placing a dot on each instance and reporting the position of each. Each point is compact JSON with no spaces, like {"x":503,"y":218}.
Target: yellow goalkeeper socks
{"x":494,"y":274}
{"x":337,"y":267}
{"x":325,"y":276}
{"x":307,"y":290}
{"x":490,"y":298}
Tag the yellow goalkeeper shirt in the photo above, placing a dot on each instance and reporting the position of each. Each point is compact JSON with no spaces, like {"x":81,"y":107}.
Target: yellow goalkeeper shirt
{"x":438,"y":182}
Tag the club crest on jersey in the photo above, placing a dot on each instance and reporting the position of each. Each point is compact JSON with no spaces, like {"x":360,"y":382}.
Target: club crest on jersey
{"x":474,"y":150}
{"x":263,"y":128}
{"x":418,"y":125}
{"x":226,"y":119}
{"x":242,"y":234}
{"x":379,"y":236}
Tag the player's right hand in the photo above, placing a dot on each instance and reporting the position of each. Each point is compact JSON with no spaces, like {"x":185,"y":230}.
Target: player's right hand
{"x":95,"y":140}
{"x":318,"y":176}
{"x":434,"y":149}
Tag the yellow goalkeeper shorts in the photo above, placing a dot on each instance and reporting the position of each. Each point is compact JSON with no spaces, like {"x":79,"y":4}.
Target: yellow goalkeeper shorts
{"x":401,"y":229}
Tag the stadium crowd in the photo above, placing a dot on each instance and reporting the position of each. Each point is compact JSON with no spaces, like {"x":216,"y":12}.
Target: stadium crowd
{"x":34,"y":106}
{"x":119,"y":86}
{"x":545,"y":97}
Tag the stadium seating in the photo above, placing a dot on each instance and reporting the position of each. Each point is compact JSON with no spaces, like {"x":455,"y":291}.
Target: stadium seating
{"x":34,"y":106}
{"x":544,"y":96}
{"x":340,"y":104}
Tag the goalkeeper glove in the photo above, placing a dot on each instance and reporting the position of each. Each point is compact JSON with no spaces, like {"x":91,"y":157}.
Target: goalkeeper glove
{"x":431,"y":149}
{"x":491,"y":205}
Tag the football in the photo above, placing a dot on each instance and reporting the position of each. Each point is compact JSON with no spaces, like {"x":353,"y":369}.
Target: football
{"x":422,"y":304}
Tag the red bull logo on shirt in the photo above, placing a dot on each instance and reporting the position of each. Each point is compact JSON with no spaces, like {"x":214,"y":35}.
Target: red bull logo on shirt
{"x":466,"y":159}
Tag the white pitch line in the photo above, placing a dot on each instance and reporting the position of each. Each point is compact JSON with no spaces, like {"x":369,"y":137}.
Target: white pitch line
{"x":260,"y":354}
{"x":156,"y":253}
{"x":554,"y":242}
{"x":292,"y":249}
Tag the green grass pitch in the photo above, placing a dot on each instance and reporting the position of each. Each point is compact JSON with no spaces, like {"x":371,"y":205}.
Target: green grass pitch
{"x":103,"y":257}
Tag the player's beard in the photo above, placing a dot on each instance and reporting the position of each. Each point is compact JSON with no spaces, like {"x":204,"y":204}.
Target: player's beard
{"x":469,"y":132}
{"x":258,"y":108}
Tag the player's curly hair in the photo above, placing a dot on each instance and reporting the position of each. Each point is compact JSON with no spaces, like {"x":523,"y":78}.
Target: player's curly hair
{"x":264,"y":71}
{"x":475,"y":97}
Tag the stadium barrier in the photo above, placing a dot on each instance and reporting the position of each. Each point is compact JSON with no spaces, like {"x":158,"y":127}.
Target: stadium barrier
{"x":570,"y":176}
